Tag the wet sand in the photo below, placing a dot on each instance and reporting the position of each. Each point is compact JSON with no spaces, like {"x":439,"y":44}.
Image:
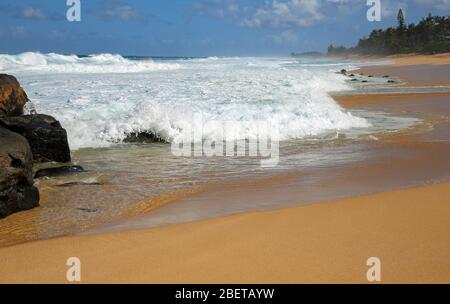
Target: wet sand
{"x":387,"y":165}
{"x":322,"y":243}
{"x":414,"y":75}
{"x":418,"y":71}
{"x":328,"y":242}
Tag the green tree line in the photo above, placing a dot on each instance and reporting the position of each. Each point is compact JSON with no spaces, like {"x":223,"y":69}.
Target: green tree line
{"x":430,"y":36}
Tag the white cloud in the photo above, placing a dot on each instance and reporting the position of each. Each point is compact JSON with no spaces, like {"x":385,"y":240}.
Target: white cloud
{"x":216,"y":8}
{"x":274,"y":13}
{"x":32,"y":13}
{"x":289,"y":14}
{"x":118,"y":10}
{"x":292,"y":13}
{"x":17,"y":30}
{"x":285,"y":37}
{"x":436,"y":4}
{"x":13,"y":32}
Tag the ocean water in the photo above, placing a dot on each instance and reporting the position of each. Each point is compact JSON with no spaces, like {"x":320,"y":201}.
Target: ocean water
{"x":100,"y":99}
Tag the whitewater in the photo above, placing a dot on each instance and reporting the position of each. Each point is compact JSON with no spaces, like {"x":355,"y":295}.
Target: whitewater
{"x":101,"y":98}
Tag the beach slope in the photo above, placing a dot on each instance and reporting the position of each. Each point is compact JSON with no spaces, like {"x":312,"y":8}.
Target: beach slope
{"x":322,"y":243}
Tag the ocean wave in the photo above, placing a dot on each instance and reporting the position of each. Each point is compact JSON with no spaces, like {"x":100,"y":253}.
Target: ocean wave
{"x":99,"y":63}
{"x":99,"y":110}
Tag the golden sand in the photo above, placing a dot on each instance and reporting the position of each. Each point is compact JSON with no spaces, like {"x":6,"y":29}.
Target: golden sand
{"x":402,"y":60}
{"x":414,"y":70}
{"x":330,"y":242}
{"x":322,"y":243}
{"x":438,"y":59}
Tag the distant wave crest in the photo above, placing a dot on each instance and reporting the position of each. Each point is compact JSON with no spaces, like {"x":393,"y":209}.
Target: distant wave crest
{"x":99,"y":63}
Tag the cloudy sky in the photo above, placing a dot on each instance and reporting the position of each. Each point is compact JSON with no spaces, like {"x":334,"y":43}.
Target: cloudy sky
{"x":196,"y":27}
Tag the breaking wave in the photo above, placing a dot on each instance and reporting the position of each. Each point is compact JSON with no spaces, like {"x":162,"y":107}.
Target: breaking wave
{"x":100,"y":63}
{"x":101,"y":105}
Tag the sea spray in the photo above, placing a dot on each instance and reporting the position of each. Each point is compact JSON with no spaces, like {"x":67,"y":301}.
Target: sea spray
{"x":99,"y":105}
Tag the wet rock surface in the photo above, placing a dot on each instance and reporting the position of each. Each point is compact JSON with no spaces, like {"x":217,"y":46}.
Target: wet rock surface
{"x":17,"y":191}
{"x":47,"y":138}
{"x":24,"y":141}
{"x":143,"y":137}
{"x":12,"y":97}
{"x":59,"y":171}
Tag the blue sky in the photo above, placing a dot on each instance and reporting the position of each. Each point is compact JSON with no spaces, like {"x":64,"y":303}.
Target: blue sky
{"x":196,"y":27}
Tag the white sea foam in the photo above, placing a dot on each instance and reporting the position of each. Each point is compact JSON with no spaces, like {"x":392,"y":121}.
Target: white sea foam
{"x":100,"y":109}
{"x":100,"y":63}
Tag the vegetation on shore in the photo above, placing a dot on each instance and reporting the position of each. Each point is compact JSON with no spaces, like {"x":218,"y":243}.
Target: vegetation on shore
{"x":430,"y":36}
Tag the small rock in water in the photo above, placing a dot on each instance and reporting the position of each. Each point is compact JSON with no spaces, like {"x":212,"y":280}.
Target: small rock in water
{"x":354,"y":79}
{"x":344,"y":72}
{"x":386,"y":76}
{"x":364,"y":81}
{"x":143,"y":137}
{"x":88,"y":210}
{"x":391,"y":81}
{"x":351,"y":75}
{"x":59,"y":171}
{"x":73,"y":184}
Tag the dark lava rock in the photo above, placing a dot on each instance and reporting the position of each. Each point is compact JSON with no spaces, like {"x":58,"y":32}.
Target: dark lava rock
{"x":364,"y":81}
{"x":59,"y":171}
{"x":370,"y":76}
{"x":344,"y":72}
{"x":351,"y":75}
{"x":88,"y":210}
{"x":354,"y":79}
{"x":391,"y":81}
{"x":386,"y":76}
{"x":143,"y":137}
{"x":74,"y":184}
{"x":17,"y":192}
{"x":12,"y":96}
{"x":47,"y":139}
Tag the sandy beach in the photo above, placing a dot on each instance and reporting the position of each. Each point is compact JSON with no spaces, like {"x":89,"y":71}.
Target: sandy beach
{"x":414,"y":70}
{"x":395,"y":207}
{"x":323,"y":243}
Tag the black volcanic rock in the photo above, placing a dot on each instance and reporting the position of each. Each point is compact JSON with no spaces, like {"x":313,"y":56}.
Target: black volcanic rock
{"x":143,"y":137}
{"x":47,"y":139}
{"x":59,"y":171}
{"x":17,"y":192}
